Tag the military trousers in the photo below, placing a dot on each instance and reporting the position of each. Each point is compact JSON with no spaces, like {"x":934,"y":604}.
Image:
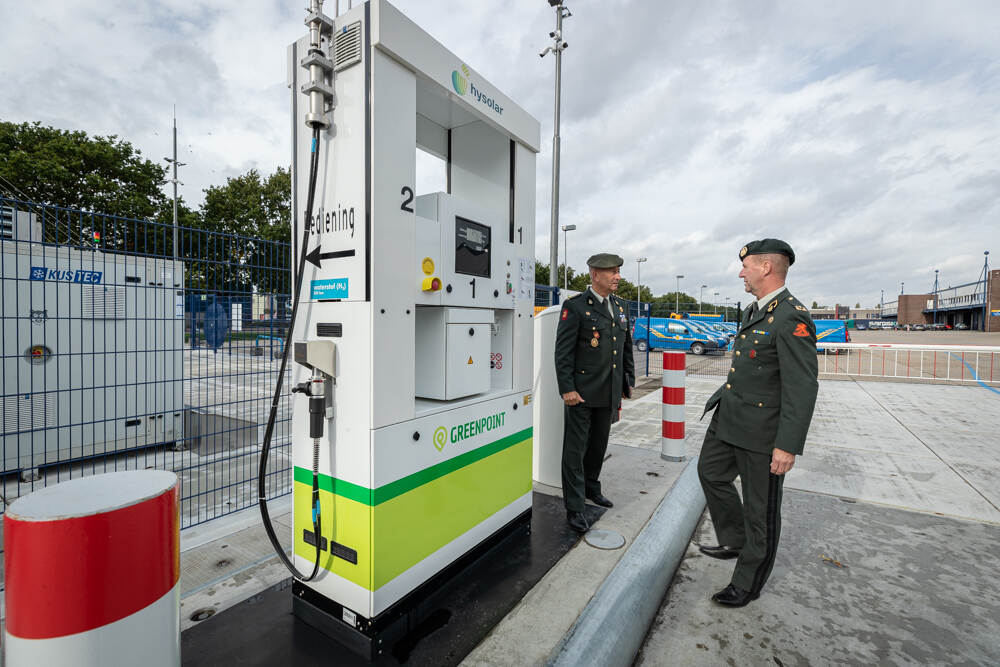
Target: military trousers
{"x":585,"y":440}
{"x":753,"y":525}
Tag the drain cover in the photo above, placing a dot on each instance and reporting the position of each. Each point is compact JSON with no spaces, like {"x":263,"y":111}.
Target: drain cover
{"x":604,"y":539}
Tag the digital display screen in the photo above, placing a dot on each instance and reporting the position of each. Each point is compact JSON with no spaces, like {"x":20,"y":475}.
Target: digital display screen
{"x":472,"y":248}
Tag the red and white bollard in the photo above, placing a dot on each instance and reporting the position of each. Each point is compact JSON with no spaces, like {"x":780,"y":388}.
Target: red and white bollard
{"x":672,"y":447}
{"x":92,"y":569}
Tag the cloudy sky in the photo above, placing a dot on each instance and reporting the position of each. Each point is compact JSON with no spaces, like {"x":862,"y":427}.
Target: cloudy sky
{"x":863,"y":133}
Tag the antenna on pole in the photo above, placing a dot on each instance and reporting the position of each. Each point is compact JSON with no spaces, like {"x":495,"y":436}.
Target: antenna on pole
{"x":173,"y":161}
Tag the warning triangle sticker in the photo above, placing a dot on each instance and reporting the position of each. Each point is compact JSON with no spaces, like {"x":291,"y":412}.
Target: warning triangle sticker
{"x":470,"y":361}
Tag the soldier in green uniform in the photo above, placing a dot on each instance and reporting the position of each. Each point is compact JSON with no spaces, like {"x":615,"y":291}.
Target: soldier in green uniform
{"x":763,"y":415}
{"x":595,"y":369}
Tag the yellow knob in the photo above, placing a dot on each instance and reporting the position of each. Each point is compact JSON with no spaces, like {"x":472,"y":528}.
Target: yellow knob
{"x":427,"y":265}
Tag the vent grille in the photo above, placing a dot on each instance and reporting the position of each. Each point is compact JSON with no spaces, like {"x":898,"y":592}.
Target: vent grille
{"x":28,"y":412}
{"x":329,"y":329}
{"x":6,"y":222}
{"x":347,"y":47}
{"x":103,"y":302}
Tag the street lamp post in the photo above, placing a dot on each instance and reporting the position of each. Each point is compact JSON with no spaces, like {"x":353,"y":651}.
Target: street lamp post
{"x":638,"y":289}
{"x":701,"y":298}
{"x":715,"y":305}
{"x":558,"y":46}
{"x":725,"y":309}
{"x":677,"y":296}
{"x":566,"y":229}
{"x":935,"y":295}
{"x":881,"y":302}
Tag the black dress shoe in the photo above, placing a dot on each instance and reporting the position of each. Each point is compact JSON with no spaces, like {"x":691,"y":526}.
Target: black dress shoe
{"x":722,"y":552}
{"x":731,"y":596}
{"x":598,"y":499}
{"x":577,"y":521}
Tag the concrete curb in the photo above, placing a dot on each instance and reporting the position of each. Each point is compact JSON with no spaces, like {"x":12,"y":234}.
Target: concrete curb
{"x":612,"y":627}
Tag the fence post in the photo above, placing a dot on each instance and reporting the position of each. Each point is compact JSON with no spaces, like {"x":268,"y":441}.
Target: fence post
{"x":672,"y":447}
{"x":92,"y":569}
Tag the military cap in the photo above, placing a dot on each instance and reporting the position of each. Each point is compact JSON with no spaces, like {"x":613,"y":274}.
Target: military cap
{"x":605,"y":260}
{"x":768,"y":247}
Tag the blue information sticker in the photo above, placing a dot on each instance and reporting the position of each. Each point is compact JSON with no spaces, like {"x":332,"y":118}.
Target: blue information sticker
{"x":331,"y":288}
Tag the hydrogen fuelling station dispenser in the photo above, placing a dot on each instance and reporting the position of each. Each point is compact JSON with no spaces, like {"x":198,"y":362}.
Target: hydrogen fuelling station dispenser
{"x":411,"y":353}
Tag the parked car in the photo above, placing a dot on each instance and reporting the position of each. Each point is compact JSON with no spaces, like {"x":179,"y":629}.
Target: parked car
{"x":961,"y":326}
{"x":919,"y":327}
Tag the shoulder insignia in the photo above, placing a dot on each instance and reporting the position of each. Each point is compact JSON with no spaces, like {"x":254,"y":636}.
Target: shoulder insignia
{"x":801,"y":330}
{"x":771,"y":306}
{"x":798,"y":307}
{"x":565,"y":313}
{"x":791,"y":298}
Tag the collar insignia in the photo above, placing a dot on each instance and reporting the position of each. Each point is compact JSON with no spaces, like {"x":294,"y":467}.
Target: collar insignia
{"x":771,"y":306}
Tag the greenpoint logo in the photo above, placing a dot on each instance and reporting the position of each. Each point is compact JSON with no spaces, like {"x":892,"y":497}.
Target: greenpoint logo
{"x":467,"y":430}
{"x":440,"y":437}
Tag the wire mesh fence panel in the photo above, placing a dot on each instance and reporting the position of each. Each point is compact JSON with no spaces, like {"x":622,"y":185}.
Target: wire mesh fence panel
{"x":120,"y":353}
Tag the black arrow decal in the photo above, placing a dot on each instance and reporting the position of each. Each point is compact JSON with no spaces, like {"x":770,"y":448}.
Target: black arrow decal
{"x":315,"y":255}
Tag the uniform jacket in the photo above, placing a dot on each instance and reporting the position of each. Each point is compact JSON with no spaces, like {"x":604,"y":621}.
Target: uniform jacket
{"x":601,"y":372}
{"x":768,"y":398}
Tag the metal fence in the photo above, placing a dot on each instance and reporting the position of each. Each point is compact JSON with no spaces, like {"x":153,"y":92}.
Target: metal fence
{"x":979,"y":364}
{"x":119,"y":354}
{"x":950,"y":364}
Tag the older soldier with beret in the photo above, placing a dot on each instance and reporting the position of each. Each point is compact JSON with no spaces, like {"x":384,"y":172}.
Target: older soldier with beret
{"x":595,"y":370}
{"x":763,"y":415}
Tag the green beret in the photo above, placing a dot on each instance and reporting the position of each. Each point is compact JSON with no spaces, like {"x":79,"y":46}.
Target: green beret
{"x":768,"y":247}
{"x":605,"y":260}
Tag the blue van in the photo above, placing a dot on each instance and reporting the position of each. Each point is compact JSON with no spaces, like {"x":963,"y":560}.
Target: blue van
{"x":665,"y":333}
{"x":710,"y":328}
{"x":831,"y":331}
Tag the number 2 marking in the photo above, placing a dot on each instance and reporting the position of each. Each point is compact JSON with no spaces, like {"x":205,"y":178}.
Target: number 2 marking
{"x":407,"y":192}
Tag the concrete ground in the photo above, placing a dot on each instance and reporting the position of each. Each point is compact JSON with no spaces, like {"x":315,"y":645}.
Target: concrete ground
{"x":853,"y":584}
{"x":890,"y":526}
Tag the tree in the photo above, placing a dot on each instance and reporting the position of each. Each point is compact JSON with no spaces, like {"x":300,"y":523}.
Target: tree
{"x":69,"y":169}
{"x":249,"y":205}
{"x":857,"y":305}
{"x":815,"y":305}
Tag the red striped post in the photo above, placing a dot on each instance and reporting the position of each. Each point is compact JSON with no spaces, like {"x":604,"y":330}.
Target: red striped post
{"x":672,"y":447}
{"x":92,"y":569}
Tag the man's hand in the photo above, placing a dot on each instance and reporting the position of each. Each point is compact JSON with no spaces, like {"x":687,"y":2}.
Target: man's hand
{"x":572,"y":398}
{"x":781,"y":461}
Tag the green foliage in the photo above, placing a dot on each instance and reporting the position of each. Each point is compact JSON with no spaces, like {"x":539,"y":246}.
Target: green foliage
{"x":249,"y":205}
{"x":70,"y":169}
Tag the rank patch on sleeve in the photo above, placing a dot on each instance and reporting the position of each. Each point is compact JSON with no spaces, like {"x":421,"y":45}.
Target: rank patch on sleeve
{"x":801,"y":330}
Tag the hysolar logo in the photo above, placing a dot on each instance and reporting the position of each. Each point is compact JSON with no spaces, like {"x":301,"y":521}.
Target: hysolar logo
{"x":460,"y":81}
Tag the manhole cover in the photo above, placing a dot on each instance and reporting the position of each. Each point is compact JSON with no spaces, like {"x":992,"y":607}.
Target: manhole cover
{"x":202,"y":614}
{"x":604,"y":539}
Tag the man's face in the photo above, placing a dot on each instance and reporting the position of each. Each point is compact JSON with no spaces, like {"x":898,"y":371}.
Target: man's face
{"x":606,"y":280}
{"x":753,"y":274}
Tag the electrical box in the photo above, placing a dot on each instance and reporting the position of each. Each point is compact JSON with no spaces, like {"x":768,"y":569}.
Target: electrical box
{"x":453,"y":352}
{"x":81,"y":330}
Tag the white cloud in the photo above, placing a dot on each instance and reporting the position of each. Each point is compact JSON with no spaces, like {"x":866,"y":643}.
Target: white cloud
{"x":862,"y":133}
